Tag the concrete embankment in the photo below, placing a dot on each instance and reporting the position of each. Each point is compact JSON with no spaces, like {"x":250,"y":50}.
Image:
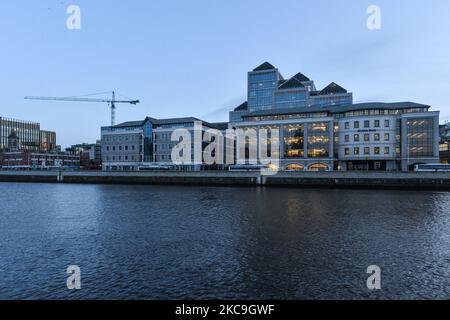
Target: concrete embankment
{"x":377,"y":180}
{"x":372,"y":180}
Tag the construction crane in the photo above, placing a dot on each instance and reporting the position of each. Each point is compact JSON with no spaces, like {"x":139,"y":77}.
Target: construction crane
{"x":111,"y":102}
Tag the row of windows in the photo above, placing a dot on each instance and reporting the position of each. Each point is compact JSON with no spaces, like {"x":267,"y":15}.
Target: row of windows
{"x":366,"y":137}
{"x":263,"y":76}
{"x":162,"y":136}
{"x":375,"y":112}
{"x":330,"y":101}
{"x":287,"y":116}
{"x":120,"y":148}
{"x":366,"y":124}
{"x":366,"y":150}
{"x":121,"y":158}
{"x":163,"y":146}
{"x":290,"y":96}
{"x":160,"y":158}
{"x":116,"y":138}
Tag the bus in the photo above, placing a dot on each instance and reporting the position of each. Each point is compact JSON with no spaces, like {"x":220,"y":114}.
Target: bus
{"x":156,"y":168}
{"x":435,"y":167}
{"x":248,"y":167}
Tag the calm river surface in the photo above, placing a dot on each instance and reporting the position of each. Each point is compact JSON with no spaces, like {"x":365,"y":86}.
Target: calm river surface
{"x":176,"y":242}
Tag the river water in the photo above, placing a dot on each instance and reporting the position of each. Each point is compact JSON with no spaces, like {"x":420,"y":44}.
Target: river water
{"x":193,"y":242}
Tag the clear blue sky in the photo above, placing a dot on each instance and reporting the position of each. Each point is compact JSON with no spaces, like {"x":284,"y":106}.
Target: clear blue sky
{"x":190,"y":58}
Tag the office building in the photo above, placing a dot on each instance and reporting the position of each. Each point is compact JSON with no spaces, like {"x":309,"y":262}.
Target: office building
{"x":30,"y":160}
{"x":444,"y":145}
{"x":26,"y":136}
{"x":323,"y":130}
{"x":147,"y":144}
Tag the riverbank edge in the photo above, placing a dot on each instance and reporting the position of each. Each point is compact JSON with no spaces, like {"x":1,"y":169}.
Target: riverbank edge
{"x":366,"y":180}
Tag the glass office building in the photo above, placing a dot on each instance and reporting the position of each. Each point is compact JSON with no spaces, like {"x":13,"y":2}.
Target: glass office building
{"x":262,"y":82}
{"x":324,"y":129}
{"x":28,"y":134}
{"x":420,"y":137}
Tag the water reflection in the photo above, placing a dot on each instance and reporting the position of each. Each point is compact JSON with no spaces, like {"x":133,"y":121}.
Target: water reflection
{"x":167,"y":242}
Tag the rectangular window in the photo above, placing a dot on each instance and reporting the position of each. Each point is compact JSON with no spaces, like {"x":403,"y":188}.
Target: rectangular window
{"x":376,"y":137}
{"x":347,"y":138}
{"x":366,"y":137}
{"x":387,"y":150}
{"x":347,"y":125}
{"x":347,"y":151}
{"x":377,"y":123}
{"x":356,"y":125}
{"x":366,"y":150}
{"x":356,"y":138}
{"x":366,"y":124}
{"x":356,"y":151}
{"x":387,"y":137}
{"x":420,"y":137}
{"x":377,"y":150}
{"x":318,"y":143}
{"x":293,"y":141}
{"x":387,"y":123}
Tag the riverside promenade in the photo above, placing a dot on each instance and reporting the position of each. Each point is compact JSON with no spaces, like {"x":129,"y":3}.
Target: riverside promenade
{"x":375,"y":180}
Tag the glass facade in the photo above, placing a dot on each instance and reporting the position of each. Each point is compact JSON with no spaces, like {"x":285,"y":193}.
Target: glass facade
{"x":293,"y":141}
{"x":148,"y":141}
{"x":47,"y":141}
{"x":290,"y":99}
{"x":420,"y":137}
{"x":28,"y":134}
{"x":318,"y":140}
{"x":261,"y":86}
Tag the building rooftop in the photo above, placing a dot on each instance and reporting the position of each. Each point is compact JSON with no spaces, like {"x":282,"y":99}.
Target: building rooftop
{"x":340,"y":109}
{"x":219,"y":125}
{"x":174,"y":120}
{"x":265,"y":66}
{"x":242,"y":107}
{"x":156,"y":122}
{"x":291,"y":84}
{"x":130,"y":124}
{"x":301,"y":77}
{"x":332,"y":88}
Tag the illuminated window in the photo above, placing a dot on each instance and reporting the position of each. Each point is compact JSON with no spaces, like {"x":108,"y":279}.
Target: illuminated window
{"x":295,"y":167}
{"x":318,"y":167}
{"x":293,"y":141}
{"x":318,"y":140}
